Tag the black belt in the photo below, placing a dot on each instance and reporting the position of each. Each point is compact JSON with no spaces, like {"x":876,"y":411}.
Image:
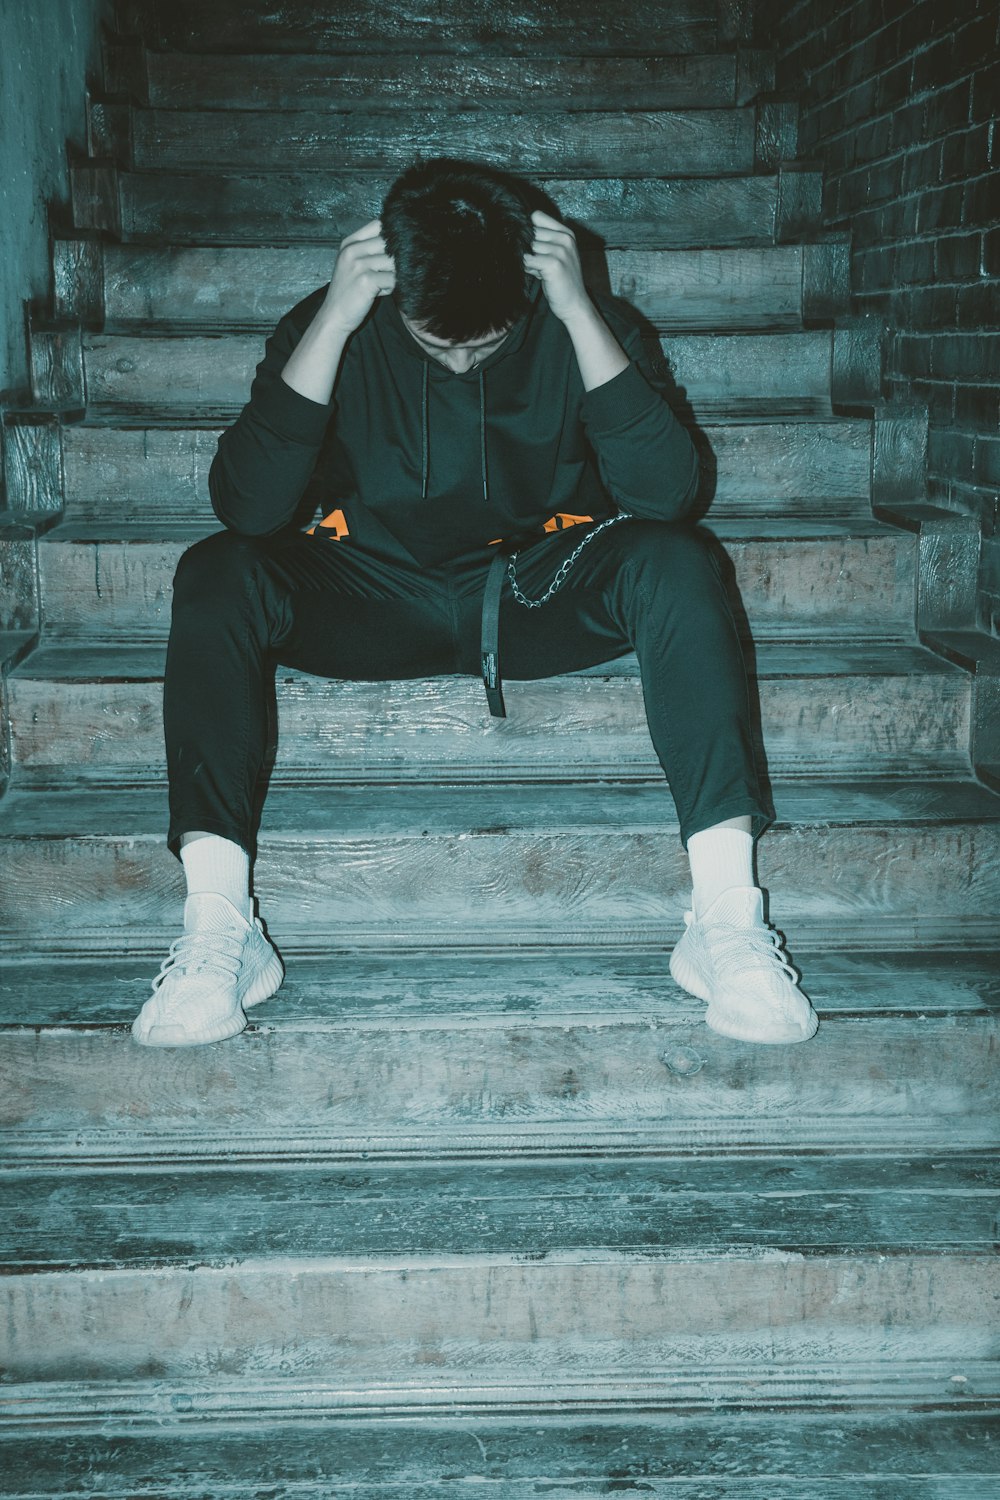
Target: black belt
{"x":491,"y":635}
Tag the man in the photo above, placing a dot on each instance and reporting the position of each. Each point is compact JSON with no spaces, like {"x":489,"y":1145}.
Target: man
{"x":466,"y":414}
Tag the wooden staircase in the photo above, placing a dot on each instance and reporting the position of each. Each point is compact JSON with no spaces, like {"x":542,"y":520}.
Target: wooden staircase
{"x":478,"y":1207}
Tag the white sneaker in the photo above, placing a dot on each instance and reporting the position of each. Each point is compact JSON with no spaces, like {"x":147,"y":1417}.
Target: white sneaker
{"x":219,"y":964}
{"x":732,"y":959}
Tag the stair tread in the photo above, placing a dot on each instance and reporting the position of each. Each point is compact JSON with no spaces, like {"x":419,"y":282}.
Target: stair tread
{"x":533,"y":985}
{"x":129,"y":529}
{"x":445,"y":810}
{"x":760,"y":1436}
{"x":92,"y":659}
{"x":639,"y":1209}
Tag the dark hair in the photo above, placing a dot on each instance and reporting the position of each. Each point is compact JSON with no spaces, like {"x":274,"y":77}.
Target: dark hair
{"x":457,"y":231}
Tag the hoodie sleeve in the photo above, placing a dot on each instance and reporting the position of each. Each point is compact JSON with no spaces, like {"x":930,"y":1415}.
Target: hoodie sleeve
{"x":646,"y":458}
{"x":265,"y":460}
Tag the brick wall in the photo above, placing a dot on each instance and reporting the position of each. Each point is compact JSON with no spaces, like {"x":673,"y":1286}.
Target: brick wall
{"x":898,"y":99}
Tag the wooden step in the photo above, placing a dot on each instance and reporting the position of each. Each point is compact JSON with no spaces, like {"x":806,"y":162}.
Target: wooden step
{"x":668,"y":1208}
{"x":795,"y":577}
{"x":116,"y":469}
{"x":580,"y":985}
{"x":660,"y":143}
{"x":872,"y":1443}
{"x":430,"y":1322}
{"x":853,"y":865}
{"x":716,"y":375}
{"x":271,"y":207}
{"x":236,"y":287}
{"x":514,"y":26}
{"x":859,"y":709}
{"x":386,"y":80}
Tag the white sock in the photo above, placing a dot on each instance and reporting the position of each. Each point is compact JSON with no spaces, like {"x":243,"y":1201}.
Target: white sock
{"x":720,"y":859}
{"x":216,"y":864}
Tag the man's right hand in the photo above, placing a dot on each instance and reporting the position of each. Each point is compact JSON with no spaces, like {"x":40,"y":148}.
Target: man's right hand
{"x":363,"y":272}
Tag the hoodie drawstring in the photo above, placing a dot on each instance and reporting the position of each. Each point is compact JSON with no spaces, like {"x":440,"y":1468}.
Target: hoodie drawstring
{"x":482,"y":434}
{"x":425,"y":440}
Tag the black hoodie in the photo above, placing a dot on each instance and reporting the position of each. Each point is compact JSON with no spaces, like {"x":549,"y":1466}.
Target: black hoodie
{"x":420,"y":465}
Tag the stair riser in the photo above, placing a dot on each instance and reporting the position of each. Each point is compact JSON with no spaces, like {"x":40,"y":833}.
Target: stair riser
{"x":719,"y":374}
{"x":662,"y":143}
{"x":355,"y":25}
{"x":761,"y":468}
{"x":862,"y":725}
{"x":750,"y":286}
{"x":381,"y":81}
{"x":337,"y":1093}
{"x":455,"y":1322}
{"x":928,"y":885}
{"x":268,"y":208}
{"x":786,"y":586}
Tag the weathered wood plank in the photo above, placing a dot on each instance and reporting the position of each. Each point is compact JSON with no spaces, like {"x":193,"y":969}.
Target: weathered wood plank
{"x":508,"y":27}
{"x":666,"y":1209}
{"x":834,"y":577}
{"x":383,"y":80}
{"x":872,"y":864}
{"x":496,"y":1317}
{"x":268,"y":208}
{"x":727,"y":374}
{"x":875,"y":714}
{"x":220,"y":286}
{"x":657,"y":143}
{"x":680,"y":1447}
{"x":369,"y":988}
{"x":760,"y":468}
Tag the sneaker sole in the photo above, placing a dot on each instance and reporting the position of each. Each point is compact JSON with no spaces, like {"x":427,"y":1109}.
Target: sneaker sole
{"x":723,"y":1022}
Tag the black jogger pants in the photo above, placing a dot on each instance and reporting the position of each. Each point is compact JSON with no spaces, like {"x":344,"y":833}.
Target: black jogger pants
{"x":242,"y":605}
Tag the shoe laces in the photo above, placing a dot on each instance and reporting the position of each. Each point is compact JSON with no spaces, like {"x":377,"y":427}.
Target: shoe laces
{"x":736,"y":949}
{"x":200,"y":951}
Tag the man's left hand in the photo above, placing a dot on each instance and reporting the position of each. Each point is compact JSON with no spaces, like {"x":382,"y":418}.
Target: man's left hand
{"x":555,"y":260}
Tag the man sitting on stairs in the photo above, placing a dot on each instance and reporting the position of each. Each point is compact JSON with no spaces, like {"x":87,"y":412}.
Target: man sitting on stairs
{"x":465,"y":413}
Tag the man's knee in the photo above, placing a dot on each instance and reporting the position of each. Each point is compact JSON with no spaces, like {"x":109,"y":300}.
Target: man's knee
{"x":216,"y":567}
{"x":673,"y":554}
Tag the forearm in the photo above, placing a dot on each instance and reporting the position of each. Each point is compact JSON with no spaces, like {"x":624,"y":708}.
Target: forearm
{"x":314,"y":364}
{"x":598,"y":353}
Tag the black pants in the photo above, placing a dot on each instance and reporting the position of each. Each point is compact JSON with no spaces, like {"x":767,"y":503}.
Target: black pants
{"x":242,"y":605}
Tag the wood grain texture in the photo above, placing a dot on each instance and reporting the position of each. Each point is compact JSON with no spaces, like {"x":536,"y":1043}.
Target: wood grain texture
{"x":867,"y":864}
{"x":653,"y":143}
{"x":665,"y":1209}
{"x":796,"y":572}
{"x":680,"y":1445}
{"x":383,"y":80}
{"x":468,"y":986}
{"x":229,"y":286}
{"x":268,"y":208}
{"x":715,"y":374}
{"x":32,"y":466}
{"x":511,"y":26}
{"x":449,"y":1320}
{"x":137,"y":471}
{"x":104,"y":710}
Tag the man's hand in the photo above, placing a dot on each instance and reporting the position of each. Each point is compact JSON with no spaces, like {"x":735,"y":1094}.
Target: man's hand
{"x":363,"y":272}
{"x":555,"y":260}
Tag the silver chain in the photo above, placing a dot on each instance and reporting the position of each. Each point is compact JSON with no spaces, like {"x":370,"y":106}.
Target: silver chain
{"x":560,"y":577}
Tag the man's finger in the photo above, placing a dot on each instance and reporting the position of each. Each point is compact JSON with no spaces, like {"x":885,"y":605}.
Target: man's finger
{"x":366,"y":232}
{"x":539,"y":217}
